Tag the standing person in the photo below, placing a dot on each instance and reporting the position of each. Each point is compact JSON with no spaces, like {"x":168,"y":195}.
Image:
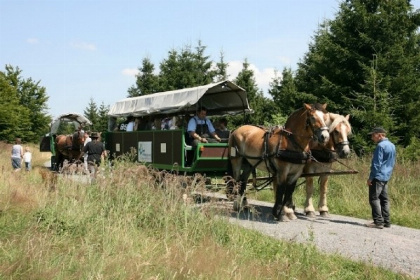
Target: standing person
{"x":27,"y":158}
{"x":383,"y":162}
{"x":200,"y":128}
{"x":17,"y":155}
{"x":95,"y":150}
{"x":85,"y":157}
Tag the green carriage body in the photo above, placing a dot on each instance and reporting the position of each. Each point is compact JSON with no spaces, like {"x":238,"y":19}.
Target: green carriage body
{"x":170,"y":149}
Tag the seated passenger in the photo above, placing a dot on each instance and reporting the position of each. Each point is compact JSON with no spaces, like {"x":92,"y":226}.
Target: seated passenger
{"x":130,"y":124}
{"x":222,"y":130}
{"x":142,"y":123}
{"x":157,"y":124}
{"x":200,"y":129}
{"x":166,"y":123}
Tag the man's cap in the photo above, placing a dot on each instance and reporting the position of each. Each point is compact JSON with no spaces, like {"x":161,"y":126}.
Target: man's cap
{"x":94,"y":135}
{"x":377,"y":130}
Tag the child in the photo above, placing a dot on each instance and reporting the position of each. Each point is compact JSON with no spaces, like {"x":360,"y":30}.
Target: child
{"x":27,"y":157}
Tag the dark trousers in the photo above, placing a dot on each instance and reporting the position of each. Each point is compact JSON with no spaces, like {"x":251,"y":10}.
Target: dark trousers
{"x":378,"y":199}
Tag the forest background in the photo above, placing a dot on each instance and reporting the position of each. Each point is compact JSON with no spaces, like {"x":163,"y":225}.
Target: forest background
{"x":365,"y":62}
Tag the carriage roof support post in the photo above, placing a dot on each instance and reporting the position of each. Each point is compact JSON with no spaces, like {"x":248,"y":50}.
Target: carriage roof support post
{"x":52,"y":145}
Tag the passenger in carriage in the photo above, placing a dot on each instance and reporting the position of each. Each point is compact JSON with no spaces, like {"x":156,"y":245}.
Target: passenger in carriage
{"x":222,"y":129}
{"x":130,"y":124}
{"x":143,"y":123}
{"x":123,"y":126}
{"x":166,"y":123}
{"x":157,"y":124}
{"x":200,"y":129}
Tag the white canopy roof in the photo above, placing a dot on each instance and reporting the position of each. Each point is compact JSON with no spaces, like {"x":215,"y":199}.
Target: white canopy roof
{"x":76,"y":118}
{"x":219,"y":98}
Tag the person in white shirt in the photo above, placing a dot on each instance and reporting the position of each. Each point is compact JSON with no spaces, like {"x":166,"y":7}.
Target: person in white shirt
{"x":85,"y":156}
{"x":27,"y":158}
{"x":17,"y":155}
{"x":131,"y":123}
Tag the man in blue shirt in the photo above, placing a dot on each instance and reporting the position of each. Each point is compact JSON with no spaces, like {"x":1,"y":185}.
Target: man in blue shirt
{"x":383,"y":162}
{"x":200,"y":128}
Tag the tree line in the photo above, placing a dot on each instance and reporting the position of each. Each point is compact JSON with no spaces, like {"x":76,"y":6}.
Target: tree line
{"x":365,"y":62}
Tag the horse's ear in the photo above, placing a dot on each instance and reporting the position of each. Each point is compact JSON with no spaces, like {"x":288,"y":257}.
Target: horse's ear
{"x":348,"y":117}
{"x":324,"y":106}
{"x":307,"y":106}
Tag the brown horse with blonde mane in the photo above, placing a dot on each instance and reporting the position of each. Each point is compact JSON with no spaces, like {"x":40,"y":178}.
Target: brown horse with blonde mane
{"x":68,"y":147}
{"x":281,"y":151}
{"x":337,"y":147}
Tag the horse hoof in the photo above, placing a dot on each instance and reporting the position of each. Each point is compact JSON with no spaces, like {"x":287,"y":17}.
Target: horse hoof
{"x":310,"y":214}
{"x":291,"y":216}
{"x":324,"y":214}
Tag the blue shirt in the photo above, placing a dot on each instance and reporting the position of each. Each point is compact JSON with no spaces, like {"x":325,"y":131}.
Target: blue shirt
{"x":192,"y":124}
{"x":383,"y":161}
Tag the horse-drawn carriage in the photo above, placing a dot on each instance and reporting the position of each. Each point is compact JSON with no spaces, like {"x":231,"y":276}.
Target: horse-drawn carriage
{"x":306,"y":146}
{"x":169,"y":149}
{"x":65,"y":139}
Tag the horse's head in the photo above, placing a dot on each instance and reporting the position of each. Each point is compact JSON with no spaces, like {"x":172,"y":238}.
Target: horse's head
{"x":78,"y":140}
{"x":317,"y":117}
{"x":340,"y":129}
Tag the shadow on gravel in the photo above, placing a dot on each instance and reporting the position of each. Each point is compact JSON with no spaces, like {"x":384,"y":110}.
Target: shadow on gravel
{"x":347,"y":222}
{"x":263,"y":214}
{"x":255,"y":213}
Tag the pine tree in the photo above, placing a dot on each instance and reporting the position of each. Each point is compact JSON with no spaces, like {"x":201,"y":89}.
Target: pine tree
{"x":338,"y":67}
{"x":146,"y":81}
{"x":185,"y":69}
{"x":91,"y":113}
{"x":221,"y":69}
{"x":262,"y":106}
{"x":103,"y":117}
{"x":31,"y":106}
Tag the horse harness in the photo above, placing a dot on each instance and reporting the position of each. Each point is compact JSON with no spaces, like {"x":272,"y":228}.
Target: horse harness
{"x":285,"y":155}
{"x":73,"y":145}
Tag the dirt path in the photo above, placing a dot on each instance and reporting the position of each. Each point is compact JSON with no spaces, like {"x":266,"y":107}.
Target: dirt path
{"x":396,"y":248}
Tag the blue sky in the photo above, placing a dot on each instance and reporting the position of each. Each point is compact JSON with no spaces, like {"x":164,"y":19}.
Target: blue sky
{"x":83,"y":49}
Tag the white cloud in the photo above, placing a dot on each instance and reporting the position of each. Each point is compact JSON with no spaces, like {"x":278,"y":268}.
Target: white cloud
{"x":130,"y":72}
{"x":262,"y":77}
{"x":83,"y":46}
{"x":32,"y":41}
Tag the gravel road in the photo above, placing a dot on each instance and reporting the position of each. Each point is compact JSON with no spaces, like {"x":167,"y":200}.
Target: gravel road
{"x":396,"y":248}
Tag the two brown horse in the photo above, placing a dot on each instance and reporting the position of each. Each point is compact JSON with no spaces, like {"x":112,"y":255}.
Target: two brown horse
{"x":282,"y":151}
{"x":68,"y":147}
{"x":325,"y":155}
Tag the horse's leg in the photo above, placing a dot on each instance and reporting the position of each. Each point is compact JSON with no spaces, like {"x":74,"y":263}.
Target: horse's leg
{"x":288,"y":207}
{"x":309,"y":207}
{"x":241,"y":201}
{"x":279,"y":189}
{"x":60,"y":160}
{"x":234,"y":170}
{"x":322,"y":206}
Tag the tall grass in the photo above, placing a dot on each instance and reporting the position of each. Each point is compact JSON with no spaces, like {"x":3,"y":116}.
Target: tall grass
{"x":135,"y":223}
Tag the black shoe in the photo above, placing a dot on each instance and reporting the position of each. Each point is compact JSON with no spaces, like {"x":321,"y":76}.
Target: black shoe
{"x":373,"y":225}
{"x":387,"y":225}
